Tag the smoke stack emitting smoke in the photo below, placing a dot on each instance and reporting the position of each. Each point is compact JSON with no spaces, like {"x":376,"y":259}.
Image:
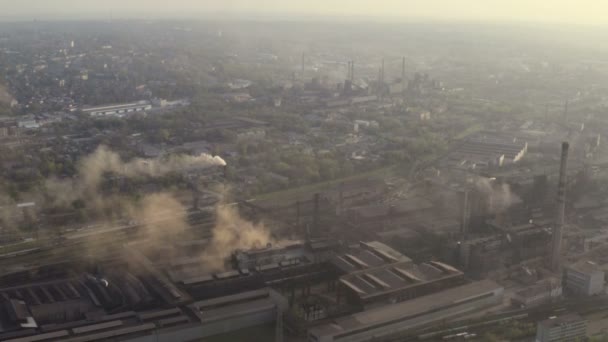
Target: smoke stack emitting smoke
{"x":160,"y":214}
{"x":231,"y":233}
{"x":92,"y":168}
{"x":500,"y":197}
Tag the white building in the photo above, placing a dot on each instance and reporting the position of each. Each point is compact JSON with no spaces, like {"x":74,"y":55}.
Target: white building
{"x":118,"y":109}
{"x":584,"y":278}
{"x":571,"y":327}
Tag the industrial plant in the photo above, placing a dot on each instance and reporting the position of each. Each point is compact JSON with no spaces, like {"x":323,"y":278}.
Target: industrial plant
{"x":275,"y":180}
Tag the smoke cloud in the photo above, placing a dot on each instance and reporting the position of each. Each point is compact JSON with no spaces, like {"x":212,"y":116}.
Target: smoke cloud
{"x":231,"y":232}
{"x":160,"y":215}
{"x":92,"y":168}
{"x":103,"y":160}
{"x":500,"y":196}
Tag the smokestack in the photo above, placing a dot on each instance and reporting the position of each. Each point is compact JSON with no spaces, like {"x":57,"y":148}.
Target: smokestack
{"x":352,"y":71}
{"x":348,"y":71}
{"x":225,"y":171}
{"x":561,"y":207}
{"x":315,"y":226}
{"x":465,"y":215}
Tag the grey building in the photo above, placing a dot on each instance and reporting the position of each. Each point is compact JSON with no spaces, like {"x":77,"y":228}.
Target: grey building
{"x":571,"y":327}
{"x":390,"y":320}
{"x":584,"y":278}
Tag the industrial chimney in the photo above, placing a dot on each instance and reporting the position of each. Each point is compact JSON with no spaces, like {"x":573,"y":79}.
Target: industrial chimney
{"x":315,"y":214}
{"x":561,"y":207}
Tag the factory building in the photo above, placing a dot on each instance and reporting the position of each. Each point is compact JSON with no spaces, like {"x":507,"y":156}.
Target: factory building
{"x":367,"y":255}
{"x":246,"y":309}
{"x":397,"y":282}
{"x":158,"y":325}
{"x":399,"y":318}
{"x":487,"y":150}
{"x":571,"y":327}
{"x":542,"y":292}
{"x":374,"y":274}
{"x":118,"y":109}
{"x":512,"y":246}
{"x":19,"y":322}
{"x":584,"y":278}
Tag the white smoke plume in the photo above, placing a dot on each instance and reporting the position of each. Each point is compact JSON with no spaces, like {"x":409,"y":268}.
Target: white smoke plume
{"x":103,"y":160}
{"x":92,"y":168}
{"x":500,"y":196}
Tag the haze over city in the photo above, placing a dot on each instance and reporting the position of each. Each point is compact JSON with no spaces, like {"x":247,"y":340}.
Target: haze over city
{"x":303,"y":171}
{"x":585,"y":12}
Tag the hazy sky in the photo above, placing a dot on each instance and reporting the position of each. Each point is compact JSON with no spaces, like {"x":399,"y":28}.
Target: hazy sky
{"x":572,"y":11}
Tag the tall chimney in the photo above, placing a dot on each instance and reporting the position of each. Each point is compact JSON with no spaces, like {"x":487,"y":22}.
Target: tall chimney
{"x":561,"y":207}
{"x":315,"y":224}
{"x":466,"y":212}
{"x":298,"y":214}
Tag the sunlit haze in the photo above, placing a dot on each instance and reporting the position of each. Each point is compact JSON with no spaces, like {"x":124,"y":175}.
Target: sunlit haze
{"x":579,"y":12}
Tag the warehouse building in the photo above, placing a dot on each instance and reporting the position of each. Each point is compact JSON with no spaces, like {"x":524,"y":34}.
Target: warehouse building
{"x":194,"y":322}
{"x":397,"y":282}
{"x":226,"y":314}
{"x":118,"y":109}
{"x":542,"y":292}
{"x":399,"y":318}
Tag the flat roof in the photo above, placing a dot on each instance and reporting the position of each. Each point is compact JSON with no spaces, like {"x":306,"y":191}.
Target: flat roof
{"x":113,"y":333}
{"x":148,"y":315}
{"x":95,"y":327}
{"x":116,"y":106}
{"x":41,"y":337}
{"x":227,"y":300}
{"x":244,"y":308}
{"x":585,"y":267}
{"x":408,"y":308}
{"x":396,"y":276}
{"x":565,"y":319}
